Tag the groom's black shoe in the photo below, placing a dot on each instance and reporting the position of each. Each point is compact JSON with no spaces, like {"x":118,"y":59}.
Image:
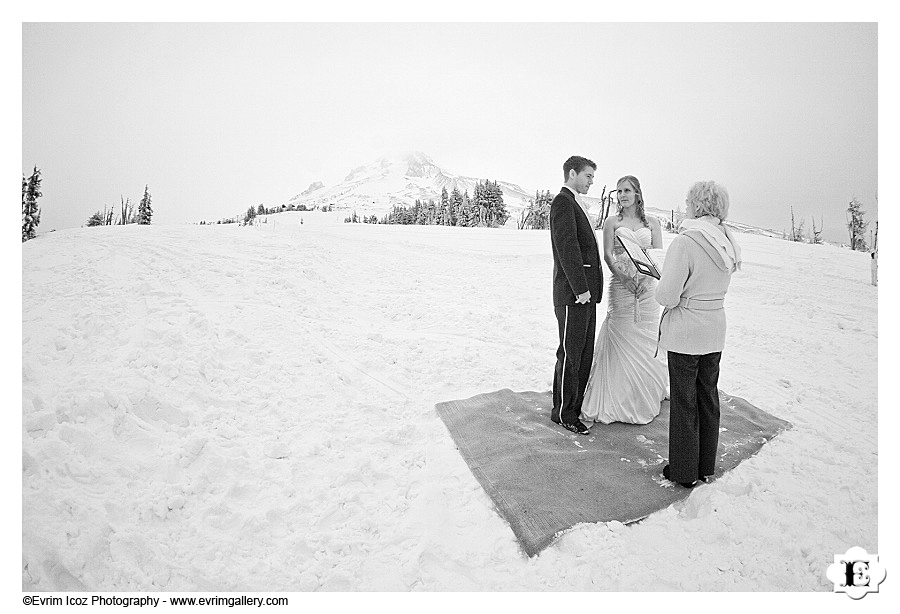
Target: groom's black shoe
{"x":685,"y":484}
{"x":576,"y":427}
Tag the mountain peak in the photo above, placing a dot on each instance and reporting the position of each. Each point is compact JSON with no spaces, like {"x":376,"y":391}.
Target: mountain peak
{"x":402,"y":163}
{"x":419,"y":164}
{"x":399,"y":178}
{"x":418,"y":158}
{"x":412,"y":157}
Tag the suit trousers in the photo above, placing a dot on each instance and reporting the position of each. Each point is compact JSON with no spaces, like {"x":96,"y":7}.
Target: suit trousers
{"x":693,"y":415}
{"x":577,"y":325}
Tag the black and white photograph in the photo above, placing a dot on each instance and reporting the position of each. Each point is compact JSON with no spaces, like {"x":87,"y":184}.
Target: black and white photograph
{"x":333,"y":306}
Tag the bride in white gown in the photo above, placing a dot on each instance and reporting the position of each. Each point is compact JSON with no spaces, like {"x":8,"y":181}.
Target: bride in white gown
{"x":627,"y":383}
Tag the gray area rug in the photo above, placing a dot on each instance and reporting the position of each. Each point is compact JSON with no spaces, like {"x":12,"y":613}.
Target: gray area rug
{"x":544,"y":479}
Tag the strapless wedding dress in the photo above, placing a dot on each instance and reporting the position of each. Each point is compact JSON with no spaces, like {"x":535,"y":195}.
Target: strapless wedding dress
{"x":627,"y":383}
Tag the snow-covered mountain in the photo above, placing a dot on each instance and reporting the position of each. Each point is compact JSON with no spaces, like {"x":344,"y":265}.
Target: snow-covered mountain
{"x":399,"y":180}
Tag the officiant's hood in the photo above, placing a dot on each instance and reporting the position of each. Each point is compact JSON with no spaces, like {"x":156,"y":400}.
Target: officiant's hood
{"x":715,"y":243}
{"x":711,"y":251}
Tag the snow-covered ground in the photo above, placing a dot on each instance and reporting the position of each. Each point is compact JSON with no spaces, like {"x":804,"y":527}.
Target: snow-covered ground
{"x":224,"y":408}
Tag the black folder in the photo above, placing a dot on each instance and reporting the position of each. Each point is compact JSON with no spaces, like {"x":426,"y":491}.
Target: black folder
{"x":639,"y":256}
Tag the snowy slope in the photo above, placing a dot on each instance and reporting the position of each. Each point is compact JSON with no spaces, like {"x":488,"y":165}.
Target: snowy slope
{"x":252,"y":408}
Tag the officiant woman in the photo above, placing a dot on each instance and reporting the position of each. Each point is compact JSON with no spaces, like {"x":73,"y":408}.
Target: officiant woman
{"x":695,"y":278}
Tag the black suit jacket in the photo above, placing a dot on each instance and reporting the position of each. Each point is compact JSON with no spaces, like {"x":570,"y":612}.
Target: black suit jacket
{"x":576,"y":256}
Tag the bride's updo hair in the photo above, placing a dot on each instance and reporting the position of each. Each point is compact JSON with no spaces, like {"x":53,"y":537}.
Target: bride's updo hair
{"x":639,"y":198}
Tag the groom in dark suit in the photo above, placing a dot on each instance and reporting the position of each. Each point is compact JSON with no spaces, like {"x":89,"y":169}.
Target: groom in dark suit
{"x":577,"y":286}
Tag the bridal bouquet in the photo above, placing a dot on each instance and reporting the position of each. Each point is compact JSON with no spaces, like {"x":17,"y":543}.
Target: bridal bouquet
{"x":623,"y":265}
{"x":634,"y":284}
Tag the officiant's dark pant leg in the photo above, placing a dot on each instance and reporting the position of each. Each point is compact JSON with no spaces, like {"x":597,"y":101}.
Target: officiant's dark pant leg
{"x":577,"y":325}
{"x":693,"y":415}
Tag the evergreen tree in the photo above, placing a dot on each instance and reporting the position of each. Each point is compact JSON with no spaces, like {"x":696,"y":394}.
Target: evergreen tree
{"x":31,"y":213}
{"x":101,"y":219}
{"x":455,"y":206}
{"x":544,"y":209}
{"x":498,"y":215}
{"x":494,"y":199}
{"x":857,"y":226}
{"x":419,"y":213}
{"x":145,"y":211}
{"x":466,"y":216}
{"x":537,"y":215}
{"x":260,"y":210}
{"x":461,"y":214}
{"x":444,"y":208}
{"x":478,"y":207}
{"x":429,"y":213}
{"x":394,"y":216}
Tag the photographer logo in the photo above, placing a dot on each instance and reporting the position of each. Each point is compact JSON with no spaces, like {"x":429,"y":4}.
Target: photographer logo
{"x":856,"y":573}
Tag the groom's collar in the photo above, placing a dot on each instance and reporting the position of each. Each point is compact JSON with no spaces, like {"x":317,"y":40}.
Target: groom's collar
{"x":578,"y":200}
{"x":574,"y":193}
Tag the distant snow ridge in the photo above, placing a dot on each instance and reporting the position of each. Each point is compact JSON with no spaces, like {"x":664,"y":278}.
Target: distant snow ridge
{"x":312,"y":188}
{"x":399,"y":180}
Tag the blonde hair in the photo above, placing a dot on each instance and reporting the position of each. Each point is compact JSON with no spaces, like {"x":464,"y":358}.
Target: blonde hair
{"x":708,"y":198}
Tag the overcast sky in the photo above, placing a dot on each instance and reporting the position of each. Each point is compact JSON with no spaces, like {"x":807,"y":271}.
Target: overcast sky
{"x":218,"y":117}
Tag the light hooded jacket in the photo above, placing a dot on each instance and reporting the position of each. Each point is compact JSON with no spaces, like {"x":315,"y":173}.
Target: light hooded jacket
{"x":692,"y":287}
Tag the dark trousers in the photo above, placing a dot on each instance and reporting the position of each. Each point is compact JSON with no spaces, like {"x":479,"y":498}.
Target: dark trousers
{"x":693,"y":415}
{"x":577,"y":324}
